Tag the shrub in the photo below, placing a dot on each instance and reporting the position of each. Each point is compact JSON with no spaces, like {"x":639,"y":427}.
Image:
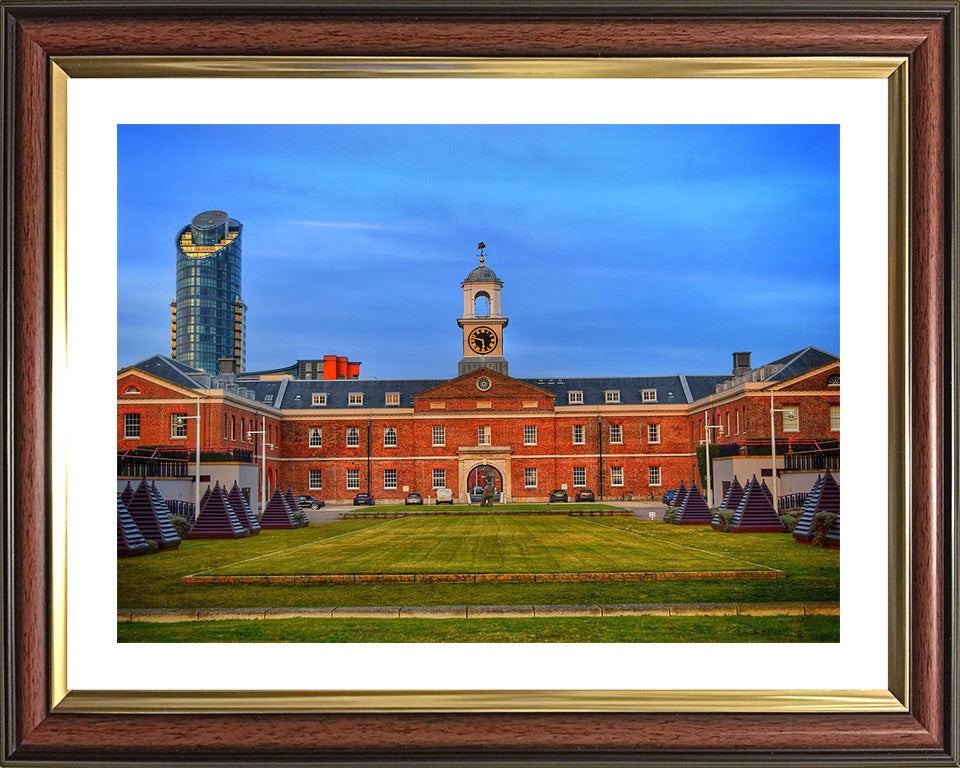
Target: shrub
{"x":821,"y":525}
{"x":181,"y":525}
{"x":670,"y":514}
{"x":154,"y":547}
{"x":725,"y":515}
{"x":789,"y":520}
{"x":299,"y":518}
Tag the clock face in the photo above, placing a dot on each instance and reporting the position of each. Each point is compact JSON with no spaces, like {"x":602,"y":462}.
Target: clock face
{"x":482,"y":340}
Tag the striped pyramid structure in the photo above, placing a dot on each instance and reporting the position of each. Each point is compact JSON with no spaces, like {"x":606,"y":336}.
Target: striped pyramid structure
{"x":823,"y":497}
{"x":203,"y":499}
{"x":766,"y":491}
{"x":679,"y":496}
{"x":277,"y":514}
{"x":152,"y":518}
{"x":130,"y":541}
{"x":295,"y":507}
{"x":126,"y":494}
{"x":833,"y":535}
{"x":694,"y":510}
{"x":731,"y":500}
{"x":242,"y":510}
{"x":217,"y":519}
{"x":755,"y":512}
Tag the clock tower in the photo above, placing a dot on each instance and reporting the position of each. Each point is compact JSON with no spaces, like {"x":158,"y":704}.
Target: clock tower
{"x":482,"y":321}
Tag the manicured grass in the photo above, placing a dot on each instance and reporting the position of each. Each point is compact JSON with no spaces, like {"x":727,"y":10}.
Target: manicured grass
{"x":558,"y":508}
{"x":627,"y":629}
{"x":488,"y":544}
{"x":153,"y":581}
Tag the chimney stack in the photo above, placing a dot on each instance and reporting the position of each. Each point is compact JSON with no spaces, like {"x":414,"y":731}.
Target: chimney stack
{"x":741,"y":363}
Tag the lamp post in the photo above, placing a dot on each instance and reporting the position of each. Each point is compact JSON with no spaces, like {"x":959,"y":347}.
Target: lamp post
{"x":773,"y":453}
{"x":196,"y":484}
{"x":263,"y":459}
{"x":708,"y":427}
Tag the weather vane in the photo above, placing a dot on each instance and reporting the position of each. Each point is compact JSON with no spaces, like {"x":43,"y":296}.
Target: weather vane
{"x":480,"y":247}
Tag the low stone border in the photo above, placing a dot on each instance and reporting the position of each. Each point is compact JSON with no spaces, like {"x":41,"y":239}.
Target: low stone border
{"x":482,"y":611}
{"x":461,"y":512}
{"x":277,"y":580}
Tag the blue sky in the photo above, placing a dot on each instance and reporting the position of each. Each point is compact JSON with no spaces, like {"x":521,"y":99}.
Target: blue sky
{"x":624,"y":250}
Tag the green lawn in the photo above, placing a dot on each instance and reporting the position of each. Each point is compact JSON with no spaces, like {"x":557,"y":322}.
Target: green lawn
{"x":627,"y":629}
{"x":490,"y":544}
{"x":153,"y":581}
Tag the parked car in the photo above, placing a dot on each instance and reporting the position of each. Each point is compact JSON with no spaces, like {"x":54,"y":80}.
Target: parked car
{"x":668,"y":496}
{"x":363,"y":498}
{"x":558,"y":495}
{"x":309,"y":502}
{"x":585,"y":496}
{"x":444,"y":496}
{"x":413,"y":498}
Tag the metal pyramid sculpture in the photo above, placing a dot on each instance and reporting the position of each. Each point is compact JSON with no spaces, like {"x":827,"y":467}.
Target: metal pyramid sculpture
{"x":766,"y":491}
{"x":731,"y":500}
{"x":694,"y":510}
{"x":217,"y":519}
{"x":277,"y":514}
{"x":203,"y":499}
{"x":242,"y":510}
{"x":679,"y":496}
{"x":755,"y":512}
{"x":152,"y":518}
{"x":295,"y":507}
{"x":823,"y":497}
{"x":832,"y":538}
{"x":126,"y":494}
{"x":130,"y":541}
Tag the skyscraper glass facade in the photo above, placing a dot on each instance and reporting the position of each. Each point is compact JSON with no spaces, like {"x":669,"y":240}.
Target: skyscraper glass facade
{"x":209,"y":317}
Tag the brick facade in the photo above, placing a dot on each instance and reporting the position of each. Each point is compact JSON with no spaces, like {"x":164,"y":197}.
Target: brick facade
{"x":617,"y":450}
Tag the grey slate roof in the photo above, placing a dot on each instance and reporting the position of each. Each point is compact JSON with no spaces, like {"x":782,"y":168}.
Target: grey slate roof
{"x":669,"y":388}
{"x":298,"y":393}
{"x":169,"y":370}
{"x":800,"y":362}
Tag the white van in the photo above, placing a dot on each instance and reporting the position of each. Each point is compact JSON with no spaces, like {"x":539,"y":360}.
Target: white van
{"x":444,"y":496}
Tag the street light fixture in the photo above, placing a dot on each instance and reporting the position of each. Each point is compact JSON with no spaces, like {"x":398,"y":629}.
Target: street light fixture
{"x":196,"y":484}
{"x":708,"y":427}
{"x":773,"y":452}
{"x":263,"y":459}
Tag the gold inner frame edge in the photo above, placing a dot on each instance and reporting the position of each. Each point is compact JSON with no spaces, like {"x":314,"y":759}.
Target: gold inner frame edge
{"x":894,"y":69}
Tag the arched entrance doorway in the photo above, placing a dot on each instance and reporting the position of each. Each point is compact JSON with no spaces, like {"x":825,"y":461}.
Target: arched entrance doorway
{"x":477,"y":479}
{"x":269,"y":482}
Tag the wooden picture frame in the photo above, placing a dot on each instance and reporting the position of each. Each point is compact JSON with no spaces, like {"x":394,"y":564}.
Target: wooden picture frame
{"x":36,"y":34}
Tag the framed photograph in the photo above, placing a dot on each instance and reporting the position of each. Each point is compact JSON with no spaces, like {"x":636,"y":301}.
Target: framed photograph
{"x":575,"y":713}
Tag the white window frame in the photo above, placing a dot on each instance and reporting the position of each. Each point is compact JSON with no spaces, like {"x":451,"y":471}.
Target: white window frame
{"x":582,"y":481}
{"x":791,"y":418}
{"x":611,"y":396}
{"x":315,"y":432}
{"x":391,"y":399}
{"x":354,"y":434}
{"x":387,"y":480}
{"x":133,"y":389}
{"x":581,"y":428}
{"x":353,"y":479}
{"x":355,"y":398}
{"x":438,"y":435}
{"x":834,"y":418}
{"x":389,"y":437}
{"x":648,"y":395}
{"x":484,"y":434}
{"x":315,"y":479}
{"x":616,"y":434}
{"x":128,"y":432}
{"x":438,"y":476}
{"x":529,"y":434}
{"x":575,"y":397}
{"x":529,"y":477}
{"x":319,"y":398}
{"x":653,"y":433}
{"x":654,"y":475}
{"x":616,"y":476}
{"x":178,"y":431}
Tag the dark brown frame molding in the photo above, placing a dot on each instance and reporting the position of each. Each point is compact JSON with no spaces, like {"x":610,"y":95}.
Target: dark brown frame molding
{"x":923,"y":31}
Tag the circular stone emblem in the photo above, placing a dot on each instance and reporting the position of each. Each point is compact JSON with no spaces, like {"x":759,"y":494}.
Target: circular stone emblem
{"x":483,"y":383}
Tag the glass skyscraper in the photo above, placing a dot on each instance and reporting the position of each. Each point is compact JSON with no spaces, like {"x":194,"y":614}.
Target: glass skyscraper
{"x":208,"y":316}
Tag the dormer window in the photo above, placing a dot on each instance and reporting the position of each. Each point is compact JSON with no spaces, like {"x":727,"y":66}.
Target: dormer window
{"x":575,"y":398}
{"x":611,"y":396}
{"x":319,"y":398}
{"x":648,"y":395}
{"x":392,"y":398}
{"x":355,"y":398}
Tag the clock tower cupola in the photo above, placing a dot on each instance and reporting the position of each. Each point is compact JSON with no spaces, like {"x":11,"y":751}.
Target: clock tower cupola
{"x":482,"y":320}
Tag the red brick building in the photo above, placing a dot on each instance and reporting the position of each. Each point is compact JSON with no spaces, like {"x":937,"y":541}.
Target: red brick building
{"x":615,"y":435}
